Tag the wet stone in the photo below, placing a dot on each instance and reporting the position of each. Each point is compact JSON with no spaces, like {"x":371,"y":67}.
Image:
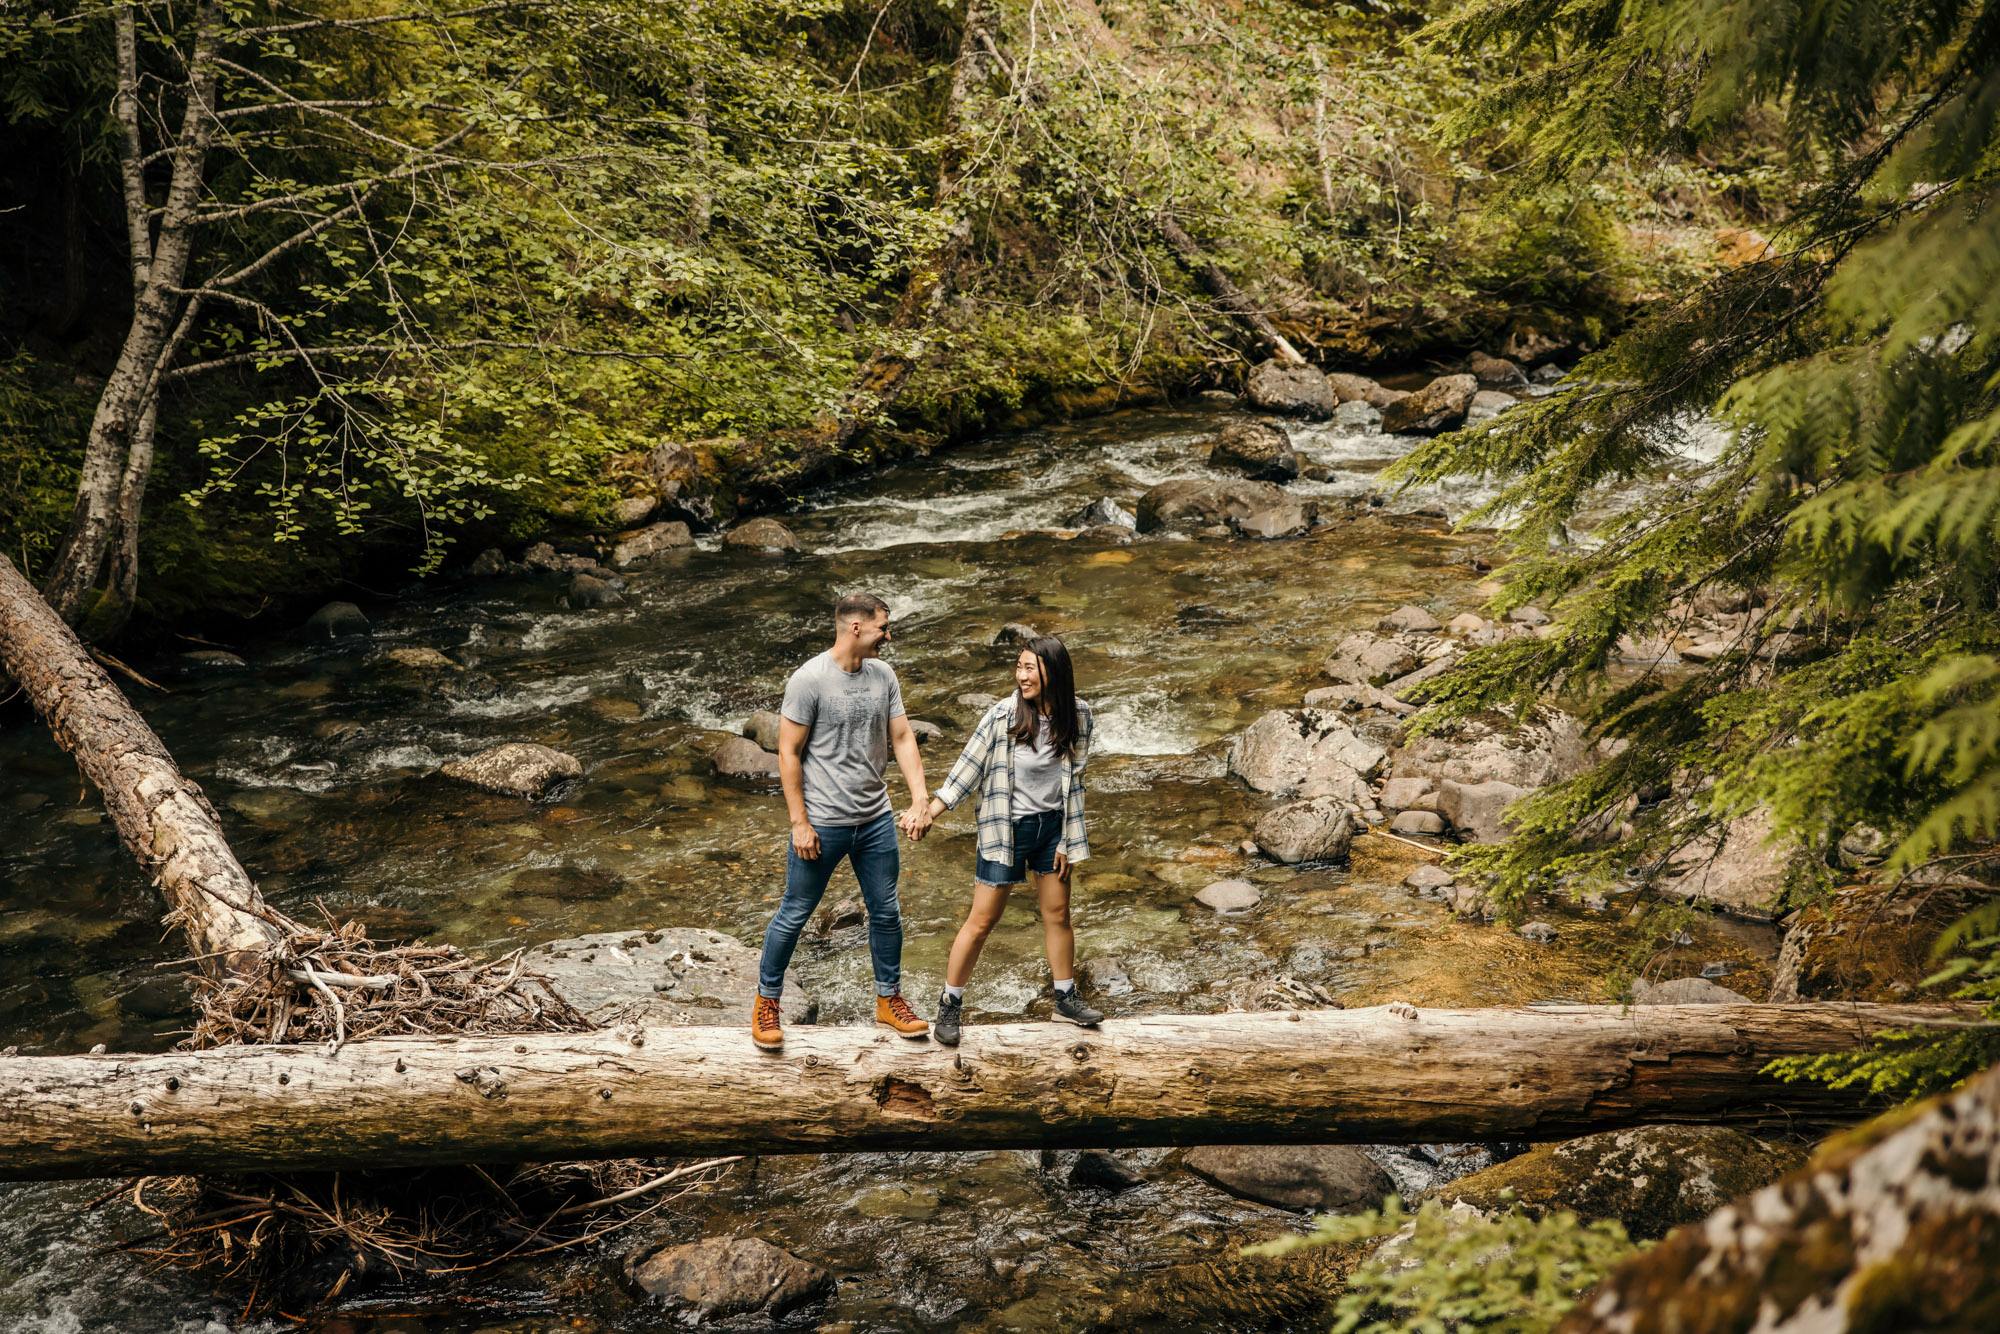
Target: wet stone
{"x":337,"y":620}
{"x":674,"y":975}
{"x":1315,"y":830}
{"x":1307,"y":1178}
{"x":1685,"y":991}
{"x":1104,"y":976}
{"x":1230,"y":897}
{"x":517,"y":768}
{"x":740,"y":757}
{"x":1096,"y":1169}
{"x":1407,"y":619}
{"x":762,"y":535}
{"x":1539,"y":932}
{"x":762,"y":728}
{"x":721,"y":1277}
{"x":1429,"y":877}
{"x":1014,"y":634}
{"x":1418,"y":822}
{"x":569,"y":884}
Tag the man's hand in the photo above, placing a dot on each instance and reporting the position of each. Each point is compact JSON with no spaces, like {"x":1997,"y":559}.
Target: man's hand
{"x":805,"y":841}
{"x":916,"y":822}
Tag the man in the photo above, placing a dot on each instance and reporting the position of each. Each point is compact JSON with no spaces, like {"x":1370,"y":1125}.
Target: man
{"x":843,"y":712}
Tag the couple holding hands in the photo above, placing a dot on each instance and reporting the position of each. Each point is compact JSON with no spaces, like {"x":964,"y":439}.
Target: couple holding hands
{"x":841,"y":719}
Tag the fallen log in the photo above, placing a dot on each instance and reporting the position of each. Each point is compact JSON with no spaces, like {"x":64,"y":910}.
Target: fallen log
{"x":1382,"y":1075}
{"x":1894,"y":1227}
{"x":162,"y":818}
{"x":1232,"y":300}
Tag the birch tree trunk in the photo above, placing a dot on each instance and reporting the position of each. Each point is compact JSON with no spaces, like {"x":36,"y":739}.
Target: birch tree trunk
{"x":159,"y":269}
{"x":162,"y":818}
{"x":1383,"y":1075}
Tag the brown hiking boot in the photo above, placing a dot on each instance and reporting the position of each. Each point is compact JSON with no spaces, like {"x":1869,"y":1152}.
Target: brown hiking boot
{"x":765,"y":1029}
{"x":895,"y":1012}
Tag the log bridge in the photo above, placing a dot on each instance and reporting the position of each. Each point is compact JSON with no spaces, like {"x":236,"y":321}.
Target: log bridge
{"x":1382,"y":1075}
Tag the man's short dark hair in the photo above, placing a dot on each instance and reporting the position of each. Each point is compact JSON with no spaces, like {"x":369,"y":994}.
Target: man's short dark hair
{"x":861,"y":606}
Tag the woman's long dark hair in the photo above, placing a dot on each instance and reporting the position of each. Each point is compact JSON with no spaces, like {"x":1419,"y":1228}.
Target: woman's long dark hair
{"x":1059,"y":690}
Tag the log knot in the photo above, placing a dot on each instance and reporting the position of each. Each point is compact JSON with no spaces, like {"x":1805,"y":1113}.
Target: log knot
{"x":899,"y":1097}
{"x":486,"y":1079}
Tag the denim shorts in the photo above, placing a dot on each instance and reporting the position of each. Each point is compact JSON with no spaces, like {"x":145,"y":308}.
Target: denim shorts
{"x":1037,"y":840}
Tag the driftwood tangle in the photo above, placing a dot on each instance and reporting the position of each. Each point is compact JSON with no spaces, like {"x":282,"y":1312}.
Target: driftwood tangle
{"x":1354,"y":1076}
{"x":162,"y":818}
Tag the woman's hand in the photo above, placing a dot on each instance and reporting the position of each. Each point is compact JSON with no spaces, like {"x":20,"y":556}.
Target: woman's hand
{"x":1062,"y":866}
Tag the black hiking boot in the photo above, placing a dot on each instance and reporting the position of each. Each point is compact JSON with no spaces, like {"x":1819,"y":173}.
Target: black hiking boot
{"x":1070,"y":1009}
{"x":945,"y":1027}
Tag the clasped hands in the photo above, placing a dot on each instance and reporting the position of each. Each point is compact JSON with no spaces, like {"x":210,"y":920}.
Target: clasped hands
{"x":916,"y":821}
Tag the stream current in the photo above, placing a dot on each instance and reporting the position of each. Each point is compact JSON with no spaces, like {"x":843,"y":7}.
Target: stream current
{"x":322,"y":758}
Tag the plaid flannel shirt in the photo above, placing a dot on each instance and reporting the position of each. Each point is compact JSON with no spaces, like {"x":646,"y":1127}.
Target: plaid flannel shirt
{"x":987,"y":763}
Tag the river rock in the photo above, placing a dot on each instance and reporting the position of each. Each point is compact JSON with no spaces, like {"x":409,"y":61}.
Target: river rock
{"x":1417,"y":822}
{"x":1539,"y":932}
{"x":589,"y":591}
{"x":1439,"y":406}
{"x":1350,"y":388}
{"x":1736,"y":870}
{"x":1105,"y":976}
{"x":740,"y":757}
{"x":631,"y":511}
{"x":1230,"y":897}
{"x":924,"y":732}
{"x":543,"y":559}
{"x":1491,"y":401}
{"x":420,"y":660}
{"x":490,"y":562}
{"x":1368,"y":659}
{"x":203,"y":662}
{"x":1285,"y":517}
{"x":683,"y":486}
{"x":721,"y":1277}
{"x":1318,"y":829}
{"x":1869,"y":942}
{"x":515,"y":769}
{"x":1381,"y":398}
{"x":1255,"y":449}
{"x":1103,"y":512}
{"x":762,"y":728}
{"x":663,"y":978}
{"x":1494,"y":370}
{"x":1308,"y":753}
{"x":1474,"y":810}
{"x":1651,"y":1179}
{"x":1332,"y":1178}
{"x":1684,"y":991}
{"x":973,"y":701}
{"x":1117,"y":535}
{"x":1015,"y":634}
{"x":1402,"y":686}
{"x":1188,"y":505}
{"x":1291,"y":391}
{"x":764,"y":534}
{"x":645,"y":543}
{"x":1548,"y":748}
{"x":1527,"y":345}
{"x":1408,"y":619}
{"x":1095,"y":1169}
{"x":1350,"y":696}
{"x":1402,"y":794}
{"x":337,"y":620}
{"x":1529,"y":616}
{"x":1429,"y":877}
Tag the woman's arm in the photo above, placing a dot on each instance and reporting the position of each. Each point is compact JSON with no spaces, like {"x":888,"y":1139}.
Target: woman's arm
{"x":969,"y":769}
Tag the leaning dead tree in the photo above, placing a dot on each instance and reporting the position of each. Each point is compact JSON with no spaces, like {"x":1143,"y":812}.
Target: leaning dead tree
{"x":1381,"y":1075}
{"x":1896,"y":1227}
{"x":162,"y":818}
{"x":1232,"y":300}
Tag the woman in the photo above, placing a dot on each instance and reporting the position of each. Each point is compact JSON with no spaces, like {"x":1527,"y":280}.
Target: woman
{"x":1026,"y":761}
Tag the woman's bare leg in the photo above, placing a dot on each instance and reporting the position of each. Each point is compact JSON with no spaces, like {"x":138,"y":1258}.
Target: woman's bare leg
{"x":1053,"y":892}
{"x":988,"y":902}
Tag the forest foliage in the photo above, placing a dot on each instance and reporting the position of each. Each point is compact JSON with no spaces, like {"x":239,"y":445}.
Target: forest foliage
{"x":515,"y":241}
{"x":1856,"y":372}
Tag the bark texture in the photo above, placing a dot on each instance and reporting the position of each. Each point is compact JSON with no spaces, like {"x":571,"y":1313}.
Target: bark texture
{"x":1383,"y":1075}
{"x":1232,"y":299}
{"x":1893,"y":1228}
{"x":162,"y":818}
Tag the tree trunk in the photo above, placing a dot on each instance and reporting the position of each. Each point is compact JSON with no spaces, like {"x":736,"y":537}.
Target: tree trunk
{"x":1318,"y":1077}
{"x":162,"y":818}
{"x":1228,"y":295}
{"x":159,"y":268}
{"x":1896,"y":1227}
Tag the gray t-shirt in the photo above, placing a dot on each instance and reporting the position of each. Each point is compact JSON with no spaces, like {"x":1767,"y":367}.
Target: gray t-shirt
{"x":1038,"y":775}
{"x":847,"y":714}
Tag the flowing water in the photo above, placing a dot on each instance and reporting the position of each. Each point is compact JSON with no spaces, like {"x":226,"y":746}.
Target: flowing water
{"x":322,"y":759}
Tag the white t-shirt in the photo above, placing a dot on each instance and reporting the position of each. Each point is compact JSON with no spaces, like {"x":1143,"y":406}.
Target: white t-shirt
{"x":1038,"y":773}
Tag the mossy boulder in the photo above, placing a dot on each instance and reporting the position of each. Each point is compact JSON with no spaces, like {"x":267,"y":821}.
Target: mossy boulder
{"x":1652,"y":1179}
{"x":1869,"y":942}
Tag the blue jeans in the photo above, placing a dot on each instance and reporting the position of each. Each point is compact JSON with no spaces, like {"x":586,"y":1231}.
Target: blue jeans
{"x":877,"y":861}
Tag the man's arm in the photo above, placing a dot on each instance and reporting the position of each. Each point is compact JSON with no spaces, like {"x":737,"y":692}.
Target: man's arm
{"x":911,"y":761}
{"x":792,"y":776}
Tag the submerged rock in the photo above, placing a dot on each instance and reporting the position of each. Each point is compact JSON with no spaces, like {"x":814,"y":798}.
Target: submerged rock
{"x":1334,"y":1178}
{"x":1104,"y":512}
{"x":721,"y":1277}
{"x":762,"y":535}
{"x":653,"y":979}
{"x":420,"y":660}
{"x":1292,"y":391}
{"x":1308,"y":753}
{"x":515,"y":769}
{"x":1439,"y":406}
{"x":1255,"y":449}
{"x":587,"y":590}
{"x":1315,"y":830}
{"x":1190,"y":505}
{"x":1095,"y":1169}
{"x":1651,"y":1179}
{"x":1230,"y":897}
{"x":337,"y":620}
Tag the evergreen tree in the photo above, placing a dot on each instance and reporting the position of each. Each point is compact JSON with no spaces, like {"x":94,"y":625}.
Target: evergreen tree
{"x":1857,"y":371}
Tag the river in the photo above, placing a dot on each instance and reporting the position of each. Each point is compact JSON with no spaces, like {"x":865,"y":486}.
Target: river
{"x":322,"y":759}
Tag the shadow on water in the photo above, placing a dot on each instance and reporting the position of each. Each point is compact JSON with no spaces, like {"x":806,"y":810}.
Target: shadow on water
{"x":321,"y":759}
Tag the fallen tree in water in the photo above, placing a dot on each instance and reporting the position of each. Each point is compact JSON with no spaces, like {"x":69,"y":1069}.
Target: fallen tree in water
{"x":1384,"y":1075}
{"x":162,"y":818}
